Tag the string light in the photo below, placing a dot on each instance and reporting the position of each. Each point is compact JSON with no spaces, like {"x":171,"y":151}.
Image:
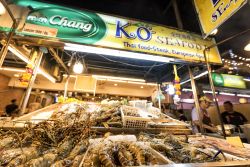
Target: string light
{"x":247,"y":47}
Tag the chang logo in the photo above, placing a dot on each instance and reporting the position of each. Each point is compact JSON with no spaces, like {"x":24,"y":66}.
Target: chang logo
{"x":65,"y":22}
{"x":215,"y":2}
{"x":72,"y":25}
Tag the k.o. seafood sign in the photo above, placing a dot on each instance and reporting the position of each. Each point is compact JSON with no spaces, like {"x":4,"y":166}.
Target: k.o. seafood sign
{"x":84,"y":27}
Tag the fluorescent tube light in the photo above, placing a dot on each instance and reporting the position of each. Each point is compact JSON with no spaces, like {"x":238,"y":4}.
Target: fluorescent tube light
{"x":100,"y":79}
{"x":206,"y":91}
{"x":117,"y":78}
{"x":187,"y":90}
{"x":71,"y":76}
{"x":137,"y":83}
{"x":196,"y":77}
{"x":243,"y":95}
{"x":210,"y":92}
{"x":245,"y":79}
{"x":12,"y":69}
{"x":151,"y":84}
{"x":191,"y":101}
{"x":26,"y":60}
{"x":116,"y":53}
{"x":227,"y":94}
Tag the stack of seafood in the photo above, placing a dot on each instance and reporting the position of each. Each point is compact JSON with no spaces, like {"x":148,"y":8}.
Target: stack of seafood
{"x":49,"y":143}
{"x":108,"y":114}
{"x":131,"y":111}
{"x":121,"y":153}
{"x":179,"y":150}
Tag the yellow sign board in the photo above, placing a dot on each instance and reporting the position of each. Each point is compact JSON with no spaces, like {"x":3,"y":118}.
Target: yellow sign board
{"x":212,"y":13}
{"x":138,"y":36}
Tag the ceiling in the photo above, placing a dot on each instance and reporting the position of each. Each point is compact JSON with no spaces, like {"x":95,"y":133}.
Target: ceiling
{"x":160,"y":12}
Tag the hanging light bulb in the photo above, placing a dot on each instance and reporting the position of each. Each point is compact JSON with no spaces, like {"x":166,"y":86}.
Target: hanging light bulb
{"x":214,"y":31}
{"x":78,"y":67}
{"x":2,"y":9}
{"x":171,"y":89}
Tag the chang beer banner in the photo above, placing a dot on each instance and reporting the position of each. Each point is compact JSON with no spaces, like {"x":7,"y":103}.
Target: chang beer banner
{"x":83,"y":27}
{"x":212,"y":13}
{"x":232,"y":81}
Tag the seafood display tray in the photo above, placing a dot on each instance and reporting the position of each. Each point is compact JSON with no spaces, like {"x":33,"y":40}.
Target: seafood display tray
{"x":118,"y":141}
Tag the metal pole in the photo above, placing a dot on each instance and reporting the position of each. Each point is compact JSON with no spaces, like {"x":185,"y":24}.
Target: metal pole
{"x":177,"y":14}
{"x":196,"y":99}
{"x":159,"y":98}
{"x":228,"y":39}
{"x":213,"y":91}
{"x":66,"y":87}
{"x":4,"y":50}
{"x":31,"y":82}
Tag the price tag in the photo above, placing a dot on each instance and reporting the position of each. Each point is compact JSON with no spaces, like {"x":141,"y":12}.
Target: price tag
{"x":105,"y":125}
{"x":236,"y":141}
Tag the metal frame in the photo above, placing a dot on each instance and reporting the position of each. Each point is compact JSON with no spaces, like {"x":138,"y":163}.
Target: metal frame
{"x":4,"y":49}
{"x":58,"y":59}
{"x":31,"y":82}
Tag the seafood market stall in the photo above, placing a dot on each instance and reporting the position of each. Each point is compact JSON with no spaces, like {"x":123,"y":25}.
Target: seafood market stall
{"x":92,"y":134}
{"x":67,"y":138}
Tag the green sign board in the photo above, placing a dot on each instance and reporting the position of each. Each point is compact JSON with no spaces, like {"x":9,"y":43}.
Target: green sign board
{"x":225,"y":80}
{"x":84,"y":27}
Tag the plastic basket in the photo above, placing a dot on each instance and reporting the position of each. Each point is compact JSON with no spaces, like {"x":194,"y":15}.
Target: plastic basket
{"x":132,"y":121}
